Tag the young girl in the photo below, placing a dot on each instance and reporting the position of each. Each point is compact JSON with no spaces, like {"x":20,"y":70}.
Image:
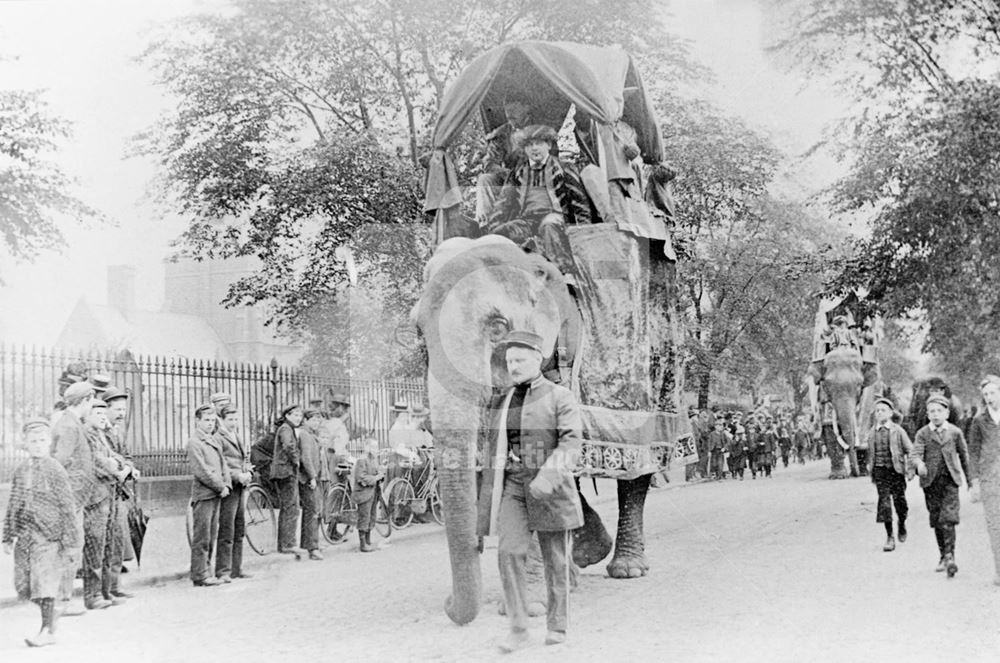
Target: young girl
{"x":40,"y":526}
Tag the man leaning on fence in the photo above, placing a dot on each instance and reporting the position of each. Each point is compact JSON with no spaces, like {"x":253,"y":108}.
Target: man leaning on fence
{"x":211,"y":483}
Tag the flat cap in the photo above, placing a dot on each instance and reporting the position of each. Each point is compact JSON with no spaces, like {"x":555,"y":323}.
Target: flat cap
{"x":525,"y":339}
{"x":227,"y":410}
{"x":78,"y":391}
{"x":311,"y":412}
{"x":220,"y":397}
{"x":886,"y":402}
{"x":940,"y":400}
{"x":99,"y":403}
{"x":289,"y":408}
{"x":113,"y":393}
{"x":205,"y":407}
{"x":990,"y":379}
{"x":100,"y":382}
{"x":35,"y":422}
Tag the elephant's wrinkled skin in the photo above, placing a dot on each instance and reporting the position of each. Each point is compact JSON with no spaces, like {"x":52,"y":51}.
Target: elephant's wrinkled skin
{"x":475,"y":292}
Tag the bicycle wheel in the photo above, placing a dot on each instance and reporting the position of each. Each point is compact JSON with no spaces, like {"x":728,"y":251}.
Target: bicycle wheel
{"x":340,"y":514}
{"x":399,"y":498}
{"x":437,"y":509}
{"x":261,"y":524}
{"x":383,"y":524}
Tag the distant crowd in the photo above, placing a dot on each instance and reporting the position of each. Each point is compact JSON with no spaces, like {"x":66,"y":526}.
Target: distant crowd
{"x":730,"y":442}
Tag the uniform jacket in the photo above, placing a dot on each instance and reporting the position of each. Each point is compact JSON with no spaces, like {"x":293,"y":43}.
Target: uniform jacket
{"x":211,"y":474}
{"x":234,"y":452}
{"x":364,"y":478}
{"x":550,"y":419}
{"x":953,"y":450}
{"x":899,"y":446}
{"x":285,"y":462}
{"x":71,"y":448}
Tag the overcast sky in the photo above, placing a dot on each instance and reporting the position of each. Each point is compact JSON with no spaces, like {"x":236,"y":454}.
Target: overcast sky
{"x":82,"y":52}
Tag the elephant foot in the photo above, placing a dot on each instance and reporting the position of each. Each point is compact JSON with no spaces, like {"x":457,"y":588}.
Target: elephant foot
{"x":535,"y":609}
{"x":839,"y":474}
{"x":623,"y":567}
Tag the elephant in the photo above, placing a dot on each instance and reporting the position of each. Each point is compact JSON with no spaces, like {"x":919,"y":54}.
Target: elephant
{"x":922,"y":390}
{"x":475,"y":292}
{"x":842,"y":382}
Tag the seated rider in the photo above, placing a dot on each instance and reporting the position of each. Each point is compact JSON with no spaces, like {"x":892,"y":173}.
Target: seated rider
{"x":539,"y":198}
{"x":502,"y":155}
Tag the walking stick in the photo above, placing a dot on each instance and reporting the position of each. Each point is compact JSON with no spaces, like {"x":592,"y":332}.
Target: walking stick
{"x":569,"y":559}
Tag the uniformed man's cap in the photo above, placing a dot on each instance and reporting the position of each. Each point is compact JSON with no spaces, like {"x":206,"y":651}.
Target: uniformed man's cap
{"x":35,"y":422}
{"x":940,"y":400}
{"x":886,"y":402}
{"x":77,"y":392}
{"x":525,"y":339}
{"x":220,"y":397}
{"x":100,"y":382}
{"x":113,"y":393}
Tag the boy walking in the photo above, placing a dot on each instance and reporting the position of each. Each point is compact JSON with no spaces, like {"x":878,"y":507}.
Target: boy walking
{"x":887,"y":463}
{"x":938,"y":451}
{"x":40,"y":527}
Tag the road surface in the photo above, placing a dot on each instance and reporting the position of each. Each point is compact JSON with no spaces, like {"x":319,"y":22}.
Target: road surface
{"x":783,"y":569}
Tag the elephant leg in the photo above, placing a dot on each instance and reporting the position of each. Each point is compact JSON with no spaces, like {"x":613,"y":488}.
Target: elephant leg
{"x":630,"y":548}
{"x":852,"y":455}
{"x":836,"y":454}
{"x":591,"y":542}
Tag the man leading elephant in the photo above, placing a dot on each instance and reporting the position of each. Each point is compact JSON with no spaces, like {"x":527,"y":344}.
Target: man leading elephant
{"x":536,"y":421}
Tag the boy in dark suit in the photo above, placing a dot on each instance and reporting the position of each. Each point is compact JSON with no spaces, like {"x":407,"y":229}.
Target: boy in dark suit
{"x":938,"y":451}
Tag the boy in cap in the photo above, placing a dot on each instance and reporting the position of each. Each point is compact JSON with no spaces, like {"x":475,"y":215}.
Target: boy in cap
{"x":889,"y":448}
{"x":310,"y":474}
{"x":285,"y":474}
{"x":40,"y":526}
{"x":71,"y":448}
{"x":939,"y":451}
{"x":540,"y":197}
{"x":366,"y":476}
{"x":232,"y":516}
{"x":210,"y":485}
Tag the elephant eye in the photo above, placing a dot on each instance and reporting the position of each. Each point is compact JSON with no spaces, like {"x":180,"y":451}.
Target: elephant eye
{"x":497,"y":327}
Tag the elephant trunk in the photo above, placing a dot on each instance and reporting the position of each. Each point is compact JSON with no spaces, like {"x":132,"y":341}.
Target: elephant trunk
{"x":455,"y":433}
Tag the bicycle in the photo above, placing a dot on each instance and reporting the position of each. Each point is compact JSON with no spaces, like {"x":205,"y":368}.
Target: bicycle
{"x":261,"y":524}
{"x":340,"y":513}
{"x":402,"y":497}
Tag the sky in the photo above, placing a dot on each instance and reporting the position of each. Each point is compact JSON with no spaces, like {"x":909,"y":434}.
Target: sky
{"x":83,"y":53}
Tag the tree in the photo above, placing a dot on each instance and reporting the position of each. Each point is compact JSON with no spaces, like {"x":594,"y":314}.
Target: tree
{"x":298,"y":129}
{"x":923,"y":159}
{"x":34,"y":191}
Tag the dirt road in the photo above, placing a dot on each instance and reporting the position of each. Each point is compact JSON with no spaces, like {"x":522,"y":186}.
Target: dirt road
{"x":782,"y":569}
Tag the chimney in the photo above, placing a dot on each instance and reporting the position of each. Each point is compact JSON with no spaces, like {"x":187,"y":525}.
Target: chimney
{"x":121,"y":288}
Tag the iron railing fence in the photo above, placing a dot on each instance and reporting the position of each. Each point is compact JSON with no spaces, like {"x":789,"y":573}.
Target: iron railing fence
{"x":165,"y":391}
